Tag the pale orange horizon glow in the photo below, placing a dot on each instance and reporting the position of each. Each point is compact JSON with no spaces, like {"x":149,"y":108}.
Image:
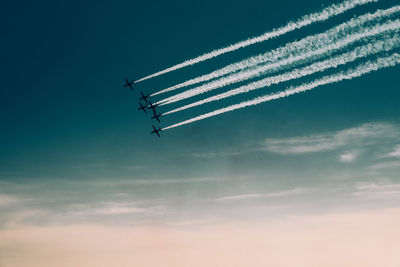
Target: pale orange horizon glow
{"x":365,"y":239}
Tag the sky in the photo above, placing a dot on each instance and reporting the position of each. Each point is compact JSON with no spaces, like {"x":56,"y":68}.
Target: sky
{"x":83,"y":182}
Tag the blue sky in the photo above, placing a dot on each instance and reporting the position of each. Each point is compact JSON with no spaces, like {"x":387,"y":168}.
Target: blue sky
{"x":74,"y":149}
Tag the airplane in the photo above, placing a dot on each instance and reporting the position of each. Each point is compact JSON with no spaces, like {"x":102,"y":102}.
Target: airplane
{"x":129,"y":84}
{"x":156,"y":131}
{"x":144,"y":97}
{"x":152,"y":106}
{"x":156,"y":116}
{"x":142,"y":107}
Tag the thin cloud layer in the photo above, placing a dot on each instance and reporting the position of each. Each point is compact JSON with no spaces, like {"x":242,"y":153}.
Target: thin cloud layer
{"x":386,"y":165}
{"x":113,"y":208}
{"x":348,"y":156}
{"x":364,"y":135}
{"x":6,"y":200}
{"x":374,"y":190}
{"x":395,"y":153}
{"x":282,"y":193}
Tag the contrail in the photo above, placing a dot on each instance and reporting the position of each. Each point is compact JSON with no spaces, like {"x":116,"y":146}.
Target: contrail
{"x":323,"y":15}
{"x":317,"y":40}
{"x":362,"y":69}
{"x":359,"y":52}
{"x":268,"y":68}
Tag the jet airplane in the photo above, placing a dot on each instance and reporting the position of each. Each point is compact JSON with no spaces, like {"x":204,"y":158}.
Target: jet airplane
{"x":129,"y":84}
{"x":152,"y":106}
{"x":142,"y":107}
{"x":156,"y":131}
{"x":156,"y":116}
{"x":144,"y":97}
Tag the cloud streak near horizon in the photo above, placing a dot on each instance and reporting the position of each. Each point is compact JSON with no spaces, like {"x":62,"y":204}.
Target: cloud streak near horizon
{"x":362,"y":135}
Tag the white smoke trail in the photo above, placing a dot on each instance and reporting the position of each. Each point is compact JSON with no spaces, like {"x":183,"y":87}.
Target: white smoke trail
{"x":291,"y":48}
{"x":362,"y":69}
{"x":359,"y":52}
{"x":323,"y":15}
{"x":286,"y":63}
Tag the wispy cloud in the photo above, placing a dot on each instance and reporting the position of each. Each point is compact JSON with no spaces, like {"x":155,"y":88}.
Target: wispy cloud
{"x":23,"y":216}
{"x":159,"y":181}
{"x":282,"y":193}
{"x":6,"y":200}
{"x":373,"y":190}
{"x":348,"y":157}
{"x":294,"y":191}
{"x":386,"y":165}
{"x":363,"y":135}
{"x":300,"y":145}
{"x":113,"y":208}
{"x":239,"y":197}
{"x":395,"y":153}
{"x":117,"y":209}
{"x":349,"y":144}
{"x":206,"y":155}
{"x":174,"y":181}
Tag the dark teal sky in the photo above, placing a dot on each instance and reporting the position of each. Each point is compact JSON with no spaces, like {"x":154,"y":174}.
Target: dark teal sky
{"x":65,"y":116}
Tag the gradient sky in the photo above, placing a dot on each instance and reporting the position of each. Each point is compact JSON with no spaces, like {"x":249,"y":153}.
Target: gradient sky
{"x":74,"y":151}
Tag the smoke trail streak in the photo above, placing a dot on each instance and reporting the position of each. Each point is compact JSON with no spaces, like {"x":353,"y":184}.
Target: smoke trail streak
{"x":323,"y":15}
{"x":359,"y":52}
{"x":362,"y":69}
{"x":291,"y":48}
{"x":268,"y":68}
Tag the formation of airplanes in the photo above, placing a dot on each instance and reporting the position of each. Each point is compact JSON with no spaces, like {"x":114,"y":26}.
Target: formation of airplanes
{"x":147,"y":105}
